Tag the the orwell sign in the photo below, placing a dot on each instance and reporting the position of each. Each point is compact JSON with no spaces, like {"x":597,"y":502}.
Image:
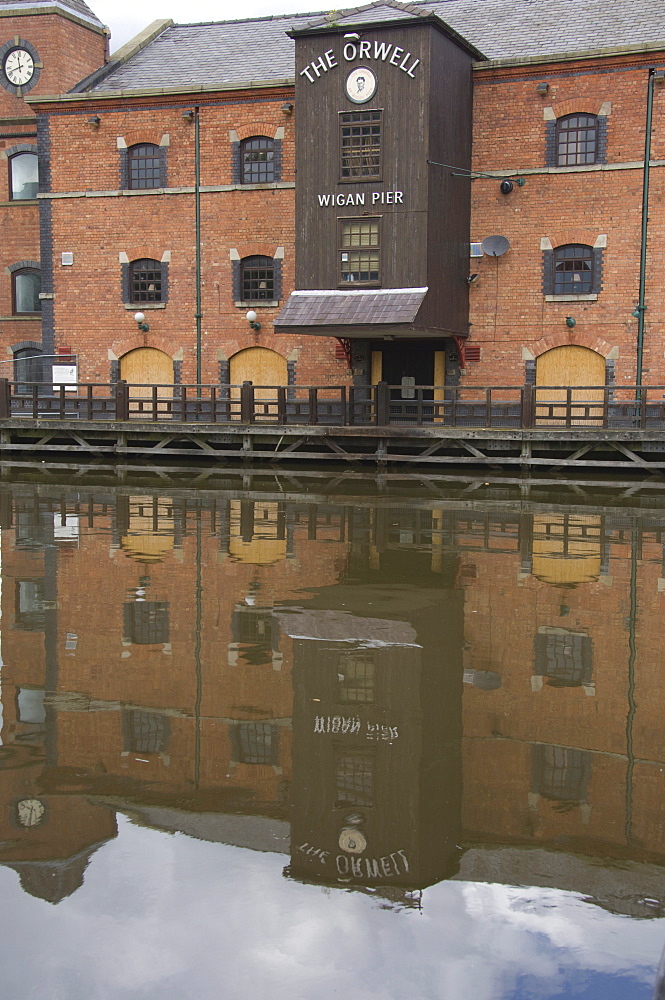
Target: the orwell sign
{"x":362,"y":82}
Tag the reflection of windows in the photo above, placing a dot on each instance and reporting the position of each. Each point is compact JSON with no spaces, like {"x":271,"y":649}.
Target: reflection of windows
{"x":355,"y":675}
{"x":30,"y":611}
{"x":26,"y":286}
{"x":564,"y":658}
{"x":257,"y":278}
{"x":361,"y":145}
{"x":258,"y":160}
{"x":23,"y":176}
{"x":145,"y":281}
{"x":27,"y":367}
{"x":145,"y":732}
{"x":354,"y":778}
{"x":31,"y":706}
{"x":146,"y":622}
{"x":145,"y":166}
{"x":32,"y":530}
{"x":573,"y":270}
{"x":576,"y":140}
{"x":255,"y":630}
{"x":255,"y":743}
{"x":359,"y":251}
{"x":560,"y":773}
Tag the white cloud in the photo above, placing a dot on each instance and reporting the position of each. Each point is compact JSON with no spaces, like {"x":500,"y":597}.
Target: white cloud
{"x":164,"y":916}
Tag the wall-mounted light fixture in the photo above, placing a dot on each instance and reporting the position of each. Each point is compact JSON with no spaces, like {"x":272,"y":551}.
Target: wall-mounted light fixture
{"x":141,"y":323}
{"x":251,"y":319}
{"x":506,"y":186}
{"x":188,"y":116}
{"x":352,"y":36}
{"x":472,"y":278}
{"x":94,"y":121}
{"x":570,"y":322}
{"x":287,"y":108}
{"x":542,"y":88}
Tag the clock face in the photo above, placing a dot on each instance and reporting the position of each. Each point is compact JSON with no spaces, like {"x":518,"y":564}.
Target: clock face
{"x":30,"y":812}
{"x":19,"y":67}
{"x":360,"y":85}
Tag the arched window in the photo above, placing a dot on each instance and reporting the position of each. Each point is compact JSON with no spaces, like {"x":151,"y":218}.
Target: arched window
{"x":26,"y":285}
{"x":28,"y":367}
{"x":257,"y":279}
{"x":576,"y":140}
{"x":23,"y":176}
{"x":573,"y":270}
{"x":145,"y":166}
{"x":257,"y":157}
{"x":146,"y":281}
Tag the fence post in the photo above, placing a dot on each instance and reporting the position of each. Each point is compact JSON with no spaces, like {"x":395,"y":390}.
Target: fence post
{"x":5,"y":398}
{"x":528,"y":406}
{"x":281,"y":404}
{"x":382,"y":412}
{"x":247,"y":403}
{"x":313,"y":405}
{"x":121,"y":400}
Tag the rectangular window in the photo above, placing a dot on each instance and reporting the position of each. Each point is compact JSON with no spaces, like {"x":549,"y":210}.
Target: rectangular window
{"x":354,"y":778}
{"x":360,"y":141}
{"x":355,"y":674}
{"x":359,"y":251}
{"x":145,"y":732}
{"x":256,"y":743}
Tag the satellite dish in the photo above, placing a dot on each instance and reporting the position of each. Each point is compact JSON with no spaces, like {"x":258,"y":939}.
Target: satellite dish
{"x":495,"y":246}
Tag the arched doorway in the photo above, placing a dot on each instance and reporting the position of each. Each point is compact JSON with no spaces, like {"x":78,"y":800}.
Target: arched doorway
{"x":568,"y":367}
{"x":262,"y":367}
{"x":143,"y":368}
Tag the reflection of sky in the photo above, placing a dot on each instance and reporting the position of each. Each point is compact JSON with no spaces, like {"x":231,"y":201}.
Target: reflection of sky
{"x":162,"y":916}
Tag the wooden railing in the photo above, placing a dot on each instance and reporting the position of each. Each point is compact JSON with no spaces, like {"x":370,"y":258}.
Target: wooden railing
{"x":627,"y":407}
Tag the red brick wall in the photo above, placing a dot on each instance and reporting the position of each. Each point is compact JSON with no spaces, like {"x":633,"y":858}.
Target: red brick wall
{"x":508,"y":311}
{"x":247,"y":221}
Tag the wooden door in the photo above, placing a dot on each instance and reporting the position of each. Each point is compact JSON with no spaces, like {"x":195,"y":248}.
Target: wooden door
{"x":265,"y":369}
{"x":565,"y":367}
{"x":141,"y":369}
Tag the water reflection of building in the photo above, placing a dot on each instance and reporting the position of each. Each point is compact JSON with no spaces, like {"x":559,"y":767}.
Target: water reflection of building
{"x":377,"y":723}
{"x":182,"y":685}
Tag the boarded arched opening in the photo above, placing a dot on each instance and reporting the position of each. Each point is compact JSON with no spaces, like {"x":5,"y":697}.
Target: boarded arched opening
{"x":566,"y":549}
{"x":264,"y":368}
{"x":568,"y":367}
{"x":142,"y":368}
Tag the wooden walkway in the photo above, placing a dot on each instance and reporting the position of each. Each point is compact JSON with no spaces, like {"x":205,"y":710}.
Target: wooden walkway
{"x":523,"y":429}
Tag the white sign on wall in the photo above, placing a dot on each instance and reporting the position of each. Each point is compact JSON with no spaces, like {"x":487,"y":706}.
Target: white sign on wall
{"x":66,"y":375}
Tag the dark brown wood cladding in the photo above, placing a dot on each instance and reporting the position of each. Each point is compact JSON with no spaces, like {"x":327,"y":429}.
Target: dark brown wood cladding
{"x":426,"y":116}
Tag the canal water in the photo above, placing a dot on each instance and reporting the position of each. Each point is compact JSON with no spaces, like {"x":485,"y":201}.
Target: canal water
{"x":405,"y":743}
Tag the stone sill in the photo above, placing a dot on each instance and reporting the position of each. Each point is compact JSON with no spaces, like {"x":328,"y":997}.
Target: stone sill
{"x":262,"y":304}
{"x":28,"y":318}
{"x":139,"y":307}
{"x":593,"y":297}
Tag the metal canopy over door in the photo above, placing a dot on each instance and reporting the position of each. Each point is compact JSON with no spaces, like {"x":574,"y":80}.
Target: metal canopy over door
{"x":146,"y":366}
{"x":566,"y":367}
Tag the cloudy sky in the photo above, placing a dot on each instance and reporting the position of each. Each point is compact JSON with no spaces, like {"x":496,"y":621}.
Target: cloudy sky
{"x":126,"y":18}
{"x":166,"y":916}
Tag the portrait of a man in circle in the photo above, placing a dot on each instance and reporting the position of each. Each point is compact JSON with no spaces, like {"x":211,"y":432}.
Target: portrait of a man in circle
{"x":360,"y":85}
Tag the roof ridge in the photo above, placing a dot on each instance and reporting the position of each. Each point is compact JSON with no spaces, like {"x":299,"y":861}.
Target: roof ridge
{"x":342,"y":15}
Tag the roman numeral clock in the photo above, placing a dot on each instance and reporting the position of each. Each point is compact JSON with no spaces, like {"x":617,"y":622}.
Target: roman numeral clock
{"x":19,"y":66}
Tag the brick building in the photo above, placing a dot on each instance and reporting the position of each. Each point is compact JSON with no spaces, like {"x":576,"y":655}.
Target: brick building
{"x":45,"y":48}
{"x":483,"y":133}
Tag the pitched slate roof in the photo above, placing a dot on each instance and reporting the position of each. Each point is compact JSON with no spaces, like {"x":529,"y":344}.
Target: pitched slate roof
{"x":75,"y":6}
{"x":258,"y":50}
